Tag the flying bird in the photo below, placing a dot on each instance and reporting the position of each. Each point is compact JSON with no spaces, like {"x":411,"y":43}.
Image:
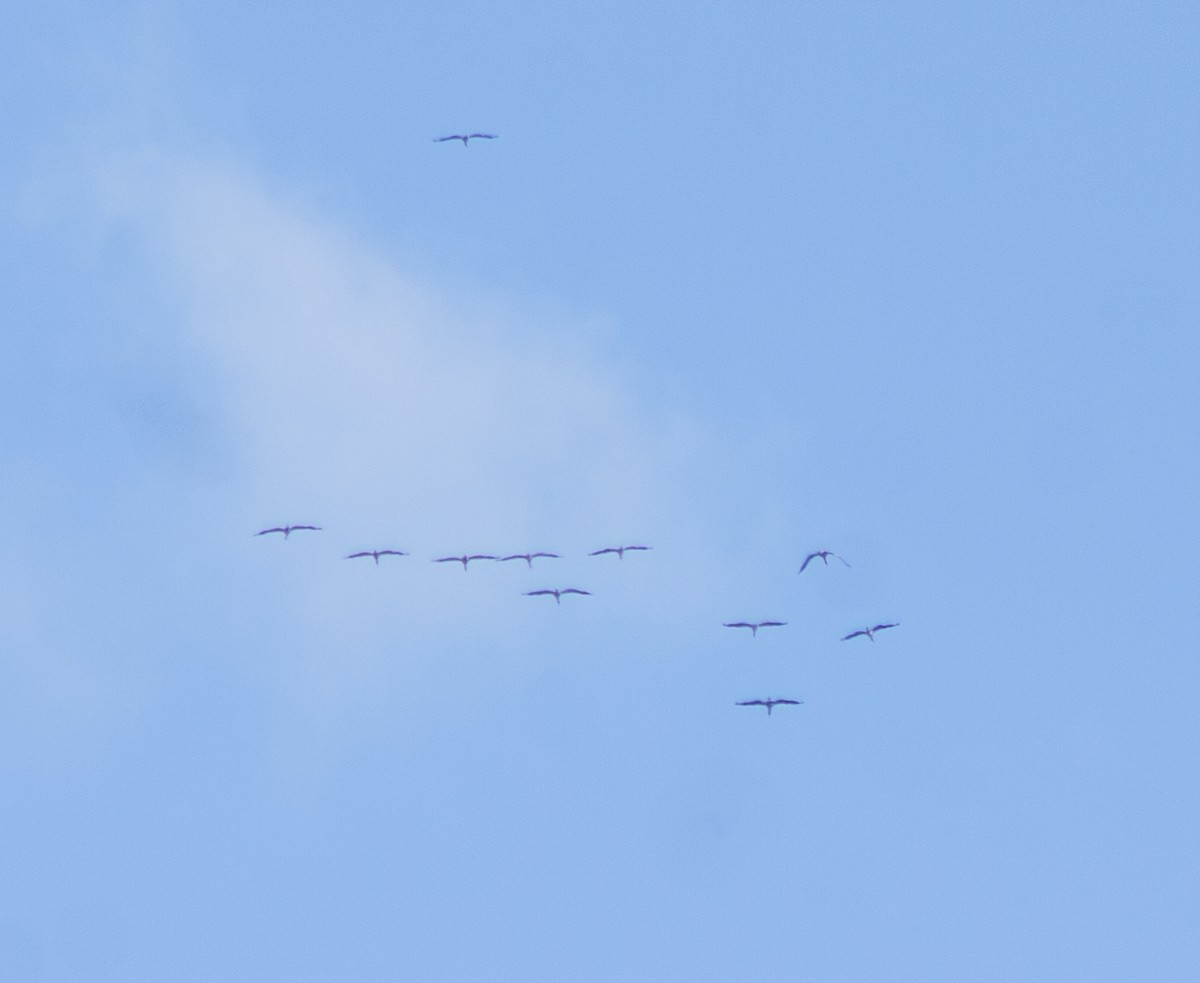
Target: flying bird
{"x":464,"y":137}
{"x":286,"y":530}
{"x":754,"y":625}
{"x":376,"y":554}
{"x":556,"y":593}
{"x":869,"y":632}
{"x":768,"y":703}
{"x":619,"y":550}
{"x":528,"y":557}
{"x":824,"y":555}
{"x":464,"y":560}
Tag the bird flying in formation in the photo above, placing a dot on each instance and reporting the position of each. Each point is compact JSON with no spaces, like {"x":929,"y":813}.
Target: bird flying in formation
{"x":556,"y":594}
{"x":464,"y":560}
{"x":768,"y":703}
{"x":619,"y":550}
{"x":376,"y":554}
{"x":824,"y":555}
{"x":528,"y":557}
{"x":464,"y":137}
{"x":869,"y":632}
{"x":754,"y":625}
{"x":286,"y":530}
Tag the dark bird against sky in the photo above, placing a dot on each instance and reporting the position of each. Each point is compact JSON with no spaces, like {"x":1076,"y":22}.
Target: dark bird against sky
{"x":464,"y":560}
{"x":619,"y":550}
{"x":869,"y":632}
{"x":286,"y":530}
{"x":823,"y":554}
{"x":768,"y":703}
{"x":528,"y":557}
{"x":754,"y":625}
{"x":464,"y":137}
{"x":556,"y":593}
{"x":376,"y":554}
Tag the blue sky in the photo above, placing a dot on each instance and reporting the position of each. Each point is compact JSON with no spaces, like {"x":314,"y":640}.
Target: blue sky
{"x":916,"y":284}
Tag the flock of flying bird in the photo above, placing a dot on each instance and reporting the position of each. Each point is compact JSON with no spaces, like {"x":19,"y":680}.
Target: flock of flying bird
{"x":558,"y":593}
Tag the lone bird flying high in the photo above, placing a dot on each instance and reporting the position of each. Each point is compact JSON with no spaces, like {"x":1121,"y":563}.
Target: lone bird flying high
{"x":869,"y":632}
{"x":619,"y":550}
{"x":824,"y":555}
{"x":754,"y":625}
{"x":464,"y":560}
{"x":464,"y":137}
{"x":557,"y":593}
{"x":286,"y":530}
{"x":528,"y":557}
{"x":376,"y":554}
{"x":768,"y":703}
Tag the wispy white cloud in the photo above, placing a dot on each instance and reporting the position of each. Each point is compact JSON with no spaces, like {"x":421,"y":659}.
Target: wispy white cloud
{"x":394,"y":416}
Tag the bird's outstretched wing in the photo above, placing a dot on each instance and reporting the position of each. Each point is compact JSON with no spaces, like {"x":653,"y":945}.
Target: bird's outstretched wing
{"x":574,"y":590}
{"x":637,"y":548}
{"x":807,"y":560}
{"x":314,"y":528}
{"x":265,"y":531}
{"x":853,"y":634}
{"x":481,"y":556}
{"x":738,"y":624}
{"x":453,"y":136}
{"x":751,"y":703}
{"x":894,"y":624}
{"x":538,"y":593}
{"x":448,"y":559}
{"x":607,"y":549}
{"x":390,"y":553}
{"x":771,"y":624}
{"x":794,"y":703}
{"x":842,"y":558}
{"x":482,"y":136}
{"x":355,"y":556}
{"x":552,"y":555}
{"x":516,"y":556}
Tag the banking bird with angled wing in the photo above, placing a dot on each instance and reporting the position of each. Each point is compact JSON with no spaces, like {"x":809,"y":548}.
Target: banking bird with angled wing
{"x":869,"y":632}
{"x":824,"y":555}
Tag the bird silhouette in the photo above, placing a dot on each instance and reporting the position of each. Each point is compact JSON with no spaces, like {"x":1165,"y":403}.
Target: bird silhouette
{"x":754,"y":625}
{"x":286,"y":530}
{"x":528,"y":557}
{"x":464,"y":560}
{"x":768,"y":703}
{"x":464,"y":137}
{"x":823,"y":554}
{"x":557,"y":593}
{"x":619,"y":550}
{"x":376,"y":554}
{"x":869,"y":632}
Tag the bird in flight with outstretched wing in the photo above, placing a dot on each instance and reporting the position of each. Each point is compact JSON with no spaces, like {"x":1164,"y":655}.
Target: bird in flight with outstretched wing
{"x":768,"y":703}
{"x":556,"y":593}
{"x":464,"y":137}
{"x":286,"y":530}
{"x":376,"y":554}
{"x":754,"y":625}
{"x":464,"y":560}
